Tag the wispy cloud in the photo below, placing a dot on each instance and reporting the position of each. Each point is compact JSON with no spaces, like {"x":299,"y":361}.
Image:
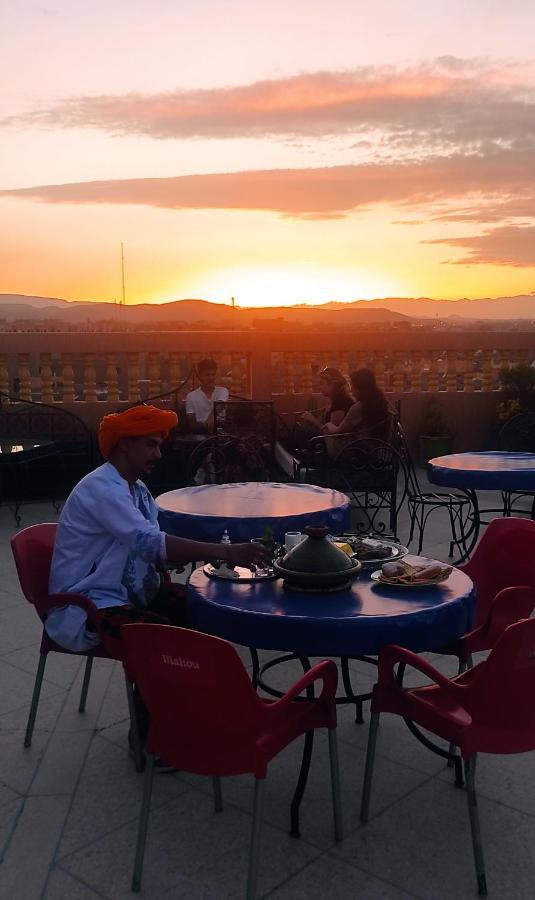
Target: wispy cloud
{"x":510,"y":245}
{"x":444,"y":103}
{"x":314,"y":192}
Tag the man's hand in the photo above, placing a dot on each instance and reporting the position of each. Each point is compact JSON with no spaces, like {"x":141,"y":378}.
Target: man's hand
{"x":245,"y":554}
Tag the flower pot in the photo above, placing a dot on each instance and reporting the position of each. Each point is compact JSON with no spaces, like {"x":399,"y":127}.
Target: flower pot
{"x":432,"y":445}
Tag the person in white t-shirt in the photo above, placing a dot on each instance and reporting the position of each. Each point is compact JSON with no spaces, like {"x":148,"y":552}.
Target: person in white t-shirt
{"x":200,"y":403}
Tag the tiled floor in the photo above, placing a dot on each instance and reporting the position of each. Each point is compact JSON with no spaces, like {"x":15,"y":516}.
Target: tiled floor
{"x":69,"y":804}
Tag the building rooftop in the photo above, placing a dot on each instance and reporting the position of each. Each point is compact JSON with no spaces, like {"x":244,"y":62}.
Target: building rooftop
{"x":69,"y":804}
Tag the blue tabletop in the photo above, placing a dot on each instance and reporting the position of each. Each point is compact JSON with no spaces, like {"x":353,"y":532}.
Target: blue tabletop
{"x":488,"y":471}
{"x":359,"y":620}
{"x":248,"y":508}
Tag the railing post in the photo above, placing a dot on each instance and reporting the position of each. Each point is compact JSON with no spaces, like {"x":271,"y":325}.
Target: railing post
{"x":47,"y":378}
{"x":23,"y":373}
{"x":288,"y":385}
{"x":154,"y":373}
{"x":112,"y":382}
{"x":4,"y":379}
{"x":132,"y":365}
{"x":451,"y":372}
{"x":67,"y":377}
{"x":90,"y":378}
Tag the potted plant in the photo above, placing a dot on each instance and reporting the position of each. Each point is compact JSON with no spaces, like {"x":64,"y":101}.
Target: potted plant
{"x":435,"y":433}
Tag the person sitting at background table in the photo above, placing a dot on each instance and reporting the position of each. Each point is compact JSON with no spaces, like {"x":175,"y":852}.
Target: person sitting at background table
{"x":200,"y":402}
{"x":368,"y":417}
{"x":333,"y":386}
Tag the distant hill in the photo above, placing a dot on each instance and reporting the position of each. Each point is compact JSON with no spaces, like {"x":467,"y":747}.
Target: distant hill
{"x":386,"y":309}
{"x":13,"y":306}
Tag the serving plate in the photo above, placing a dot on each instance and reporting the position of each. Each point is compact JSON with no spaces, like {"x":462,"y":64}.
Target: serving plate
{"x":398,"y":551}
{"x":436,"y":582}
{"x":244,"y":575}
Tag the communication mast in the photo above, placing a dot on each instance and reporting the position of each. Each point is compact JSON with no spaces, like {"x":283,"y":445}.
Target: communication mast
{"x":122,"y":301}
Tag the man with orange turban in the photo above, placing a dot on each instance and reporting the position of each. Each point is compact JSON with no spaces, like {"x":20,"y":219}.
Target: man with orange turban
{"x":109,"y":545}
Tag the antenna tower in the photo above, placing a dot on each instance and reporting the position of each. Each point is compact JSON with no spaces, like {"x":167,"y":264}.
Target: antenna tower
{"x":123,"y":296}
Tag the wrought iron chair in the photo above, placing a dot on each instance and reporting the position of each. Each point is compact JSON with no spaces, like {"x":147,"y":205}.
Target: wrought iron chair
{"x":58,"y":452}
{"x":422,"y":504}
{"x":180,"y":674}
{"x":518,"y":435}
{"x":225,"y":459}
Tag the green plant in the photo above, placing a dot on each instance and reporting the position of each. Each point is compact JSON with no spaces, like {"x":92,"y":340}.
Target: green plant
{"x":518,"y":380}
{"x":518,"y":386}
{"x":433,"y":422}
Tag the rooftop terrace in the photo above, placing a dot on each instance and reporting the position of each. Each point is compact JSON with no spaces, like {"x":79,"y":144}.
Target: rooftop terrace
{"x":69,"y":804}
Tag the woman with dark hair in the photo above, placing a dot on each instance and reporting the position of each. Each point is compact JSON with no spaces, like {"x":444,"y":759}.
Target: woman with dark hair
{"x":333,"y":386}
{"x":369,"y":414}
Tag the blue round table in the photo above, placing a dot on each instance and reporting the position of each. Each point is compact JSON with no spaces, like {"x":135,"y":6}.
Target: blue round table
{"x":354,"y":622}
{"x":488,"y":471}
{"x":509,"y":472}
{"x":246,"y":509}
{"x":350,"y":623}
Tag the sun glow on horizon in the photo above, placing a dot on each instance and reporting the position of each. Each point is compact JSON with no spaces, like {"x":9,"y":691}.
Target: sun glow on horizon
{"x":264,"y":286}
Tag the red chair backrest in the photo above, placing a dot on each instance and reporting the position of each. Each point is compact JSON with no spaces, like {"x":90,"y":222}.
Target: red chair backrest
{"x":501,"y":697}
{"x":198,"y":695}
{"x":32,"y":549}
{"x":504,"y":557}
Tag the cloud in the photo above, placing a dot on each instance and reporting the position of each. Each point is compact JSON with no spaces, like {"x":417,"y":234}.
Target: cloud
{"x":448,"y":102}
{"x":516,"y":208}
{"x":313,"y":192}
{"x":511,"y":245}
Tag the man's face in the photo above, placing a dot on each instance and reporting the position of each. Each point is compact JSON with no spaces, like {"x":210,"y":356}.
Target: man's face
{"x":143,"y":453}
{"x":207,"y":379}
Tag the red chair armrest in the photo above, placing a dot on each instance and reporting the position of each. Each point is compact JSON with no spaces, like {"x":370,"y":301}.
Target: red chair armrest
{"x":324,"y":671}
{"x":393,"y":654}
{"x":510,"y":605}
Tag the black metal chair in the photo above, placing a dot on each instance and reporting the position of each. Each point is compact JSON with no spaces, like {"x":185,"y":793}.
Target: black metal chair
{"x":422,"y":504}
{"x":225,"y":459}
{"x":518,"y":435}
{"x":57,"y":451}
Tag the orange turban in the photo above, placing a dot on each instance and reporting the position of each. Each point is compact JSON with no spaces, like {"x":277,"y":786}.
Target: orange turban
{"x":134,"y":422}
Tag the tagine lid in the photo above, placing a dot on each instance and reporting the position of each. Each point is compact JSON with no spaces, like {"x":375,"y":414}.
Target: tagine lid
{"x":316,"y":554}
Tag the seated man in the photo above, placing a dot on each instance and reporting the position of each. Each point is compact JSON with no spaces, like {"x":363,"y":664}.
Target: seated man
{"x":109,"y":545}
{"x":200,"y":402}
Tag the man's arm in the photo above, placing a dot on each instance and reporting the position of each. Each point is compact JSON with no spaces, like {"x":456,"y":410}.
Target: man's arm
{"x":181,"y":550}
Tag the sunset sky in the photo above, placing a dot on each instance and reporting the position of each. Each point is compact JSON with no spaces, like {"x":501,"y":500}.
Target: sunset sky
{"x":281,"y":152}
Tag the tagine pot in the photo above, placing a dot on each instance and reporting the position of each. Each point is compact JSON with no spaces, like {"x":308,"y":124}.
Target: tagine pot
{"x":316,"y":564}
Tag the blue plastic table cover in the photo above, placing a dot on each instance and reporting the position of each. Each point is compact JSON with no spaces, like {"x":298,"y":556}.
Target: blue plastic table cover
{"x":488,"y":471}
{"x":246,"y":509}
{"x":356,"y":621}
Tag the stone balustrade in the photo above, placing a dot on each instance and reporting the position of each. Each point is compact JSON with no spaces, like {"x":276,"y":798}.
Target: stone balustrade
{"x":88,"y":368}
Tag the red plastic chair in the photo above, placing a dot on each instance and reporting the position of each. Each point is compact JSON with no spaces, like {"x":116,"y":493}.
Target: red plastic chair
{"x":32,"y":549}
{"x":504,"y":557}
{"x":206,"y":718}
{"x":487,"y":709}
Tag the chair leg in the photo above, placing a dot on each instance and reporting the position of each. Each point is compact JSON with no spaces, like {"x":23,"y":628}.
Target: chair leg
{"x":35,"y":699}
{"x":463,"y":666}
{"x":301,"y":784}
{"x":368,"y":773}
{"x":218,"y":795}
{"x":254,"y":850}
{"x":335,"y":786}
{"x":85,"y":683}
{"x":134,"y":726}
{"x":143,"y":824}
{"x":469,"y":771}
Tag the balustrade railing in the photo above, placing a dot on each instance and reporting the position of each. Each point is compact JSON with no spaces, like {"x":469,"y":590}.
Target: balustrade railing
{"x":115,"y":368}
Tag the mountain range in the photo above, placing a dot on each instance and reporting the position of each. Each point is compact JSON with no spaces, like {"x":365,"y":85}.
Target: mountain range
{"x":387,"y":309}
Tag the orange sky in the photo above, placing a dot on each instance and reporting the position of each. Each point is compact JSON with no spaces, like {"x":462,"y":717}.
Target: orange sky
{"x":327,"y":155}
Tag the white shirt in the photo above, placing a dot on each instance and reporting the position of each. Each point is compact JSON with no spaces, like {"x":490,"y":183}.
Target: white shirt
{"x":201,"y":406}
{"x":107,"y":546}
